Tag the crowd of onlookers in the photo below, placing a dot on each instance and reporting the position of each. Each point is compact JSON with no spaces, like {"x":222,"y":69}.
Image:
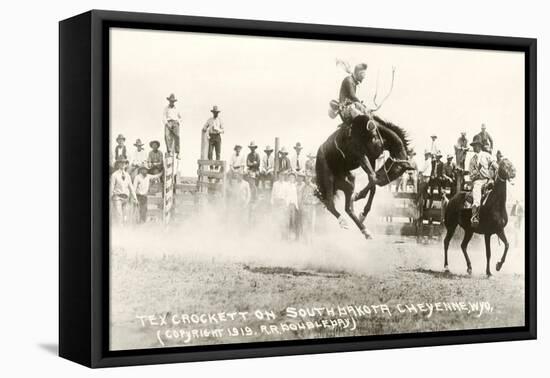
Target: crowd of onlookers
{"x":288,"y":191}
{"x":290,"y":187}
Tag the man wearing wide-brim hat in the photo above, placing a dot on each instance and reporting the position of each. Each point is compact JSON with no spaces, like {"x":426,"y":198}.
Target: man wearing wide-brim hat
{"x":171,"y":119}
{"x":449,"y":174}
{"x":352,"y":105}
{"x":139,"y":158}
{"x":142,"y":184}
{"x":284,"y":161}
{"x":253,"y":167}
{"x":461,"y":148}
{"x":310,"y":165}
{"x":236,"y":162}
{"x":436,"y":176}
{"x":481,"y":169}
{"x":120,"y":149}
{"x":267,"y":166}
{"x":121,"y":191}
{"x":155,"y":159}
{"x":297,"y":160}
{"x":214,"y":130}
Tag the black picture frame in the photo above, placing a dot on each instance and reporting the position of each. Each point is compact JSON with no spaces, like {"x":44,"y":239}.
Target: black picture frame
{"x":83,"y":204}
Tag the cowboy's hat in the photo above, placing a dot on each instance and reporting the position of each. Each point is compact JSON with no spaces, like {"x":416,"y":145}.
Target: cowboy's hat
{"x":154,"y":142}
{"x":438,"y":154}
{"x":476,"y":141}
{"x":412,"y":152}
{"x":252,"y":145}
{"x":268,"y":148}
{"x":283,"y":150}
{"x":433,"y":136}
{"x":427,"y":152}
{"x":215,"y":109}
{"x":138,"y":143}
{"x":310,"y":155}
{"x":237,"y":146}
{"x":298,"y":146}
{"x":449,"y":156}
{"x":119,"y":137}
{"x":172,"y":98}
{"x":142,"y":168}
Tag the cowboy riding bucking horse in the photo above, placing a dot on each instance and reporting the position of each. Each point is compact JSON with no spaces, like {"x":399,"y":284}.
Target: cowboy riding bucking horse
{"x":359,"y":140}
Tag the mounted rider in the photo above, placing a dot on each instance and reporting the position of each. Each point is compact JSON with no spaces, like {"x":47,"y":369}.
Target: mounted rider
{"x":482,"y":170}
{"x":350,"y":106}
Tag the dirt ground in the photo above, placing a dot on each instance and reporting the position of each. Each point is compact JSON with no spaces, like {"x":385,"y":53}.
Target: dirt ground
{"x":197,"y":284}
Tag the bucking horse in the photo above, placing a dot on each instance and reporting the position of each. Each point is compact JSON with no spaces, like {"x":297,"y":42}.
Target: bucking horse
{"x":347,"y":149}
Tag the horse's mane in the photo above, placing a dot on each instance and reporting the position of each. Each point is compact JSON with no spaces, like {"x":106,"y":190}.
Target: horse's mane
{"x":399,"y":131}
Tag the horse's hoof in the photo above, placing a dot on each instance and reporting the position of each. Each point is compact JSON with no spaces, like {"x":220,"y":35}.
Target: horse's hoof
{"x":489,"y":275}
{"x":469,"y":271}
{"x":343,"y":224}
{"x":446,"y":269}
{"x":366,"y":234}
{"x":499,"y":266}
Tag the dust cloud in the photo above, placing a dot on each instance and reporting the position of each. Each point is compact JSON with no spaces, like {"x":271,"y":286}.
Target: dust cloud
{"x":235,"y":236}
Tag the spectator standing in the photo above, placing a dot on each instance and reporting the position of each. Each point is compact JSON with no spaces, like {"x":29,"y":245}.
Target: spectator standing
{"x":120,"y":149}
{"x":214,"y":130}
{"x":284,"y":161}
{"x":310,"y":165}
{"x":267,"y":167}
{"x":237,"y":162}
{"x":461,"y":148}
{"x":449,"y":175}
{"x":139,"y":158}
{"x":142,"y":184}
{"x":297,"y":161}
{"x":121,"y":191}
{"x":171,"y":119}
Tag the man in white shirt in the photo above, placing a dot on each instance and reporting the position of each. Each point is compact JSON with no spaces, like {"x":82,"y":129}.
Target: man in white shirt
{"x":214,"y":129}
{"x":434,"y":148}
{"x":267,"y":166}
{"x":424,"y":175}
{"x":171,"y":120}
{"x":297,"y":162}
{"x":236,"y":163}
{"x":139,"y":158}
{"x":121,"y":191}
{"x":142,"y":183}
{"x":242,"y":191}
{"x":481,"y":172}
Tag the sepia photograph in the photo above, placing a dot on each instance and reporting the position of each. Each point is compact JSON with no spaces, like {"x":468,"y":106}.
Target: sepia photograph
{"x":269,"y":189}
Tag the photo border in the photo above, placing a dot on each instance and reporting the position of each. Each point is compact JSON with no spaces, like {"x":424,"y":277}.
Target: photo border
{"x":93,"y":31}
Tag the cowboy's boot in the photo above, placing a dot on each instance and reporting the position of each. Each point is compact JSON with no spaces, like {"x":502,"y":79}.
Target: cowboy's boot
{"x":475,"y":216}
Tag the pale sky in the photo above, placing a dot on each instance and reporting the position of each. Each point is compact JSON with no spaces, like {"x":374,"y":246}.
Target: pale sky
{"x":275,"y":87}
